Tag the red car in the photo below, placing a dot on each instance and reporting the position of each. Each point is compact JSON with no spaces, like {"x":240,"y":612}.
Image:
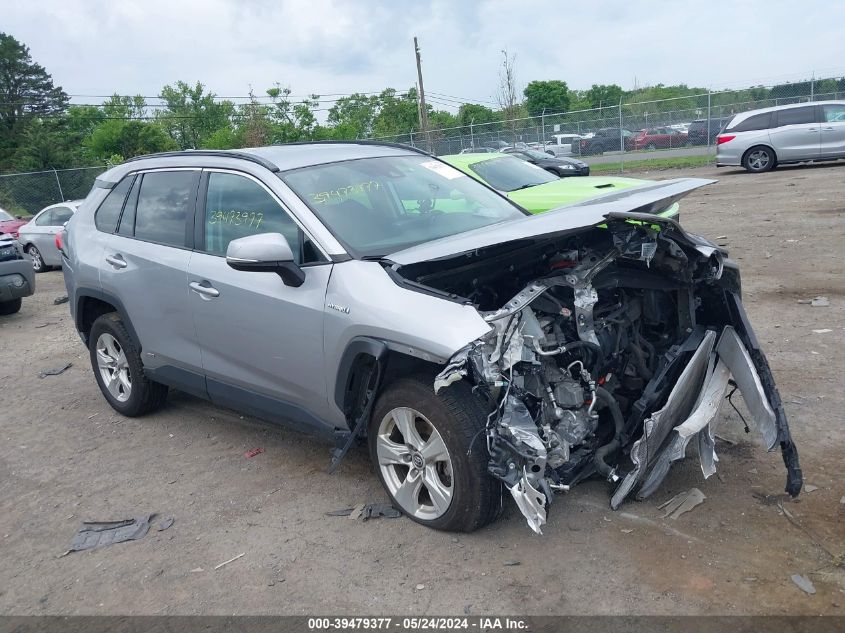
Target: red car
{"x":10,"y":224}
{"x":656,"y":137}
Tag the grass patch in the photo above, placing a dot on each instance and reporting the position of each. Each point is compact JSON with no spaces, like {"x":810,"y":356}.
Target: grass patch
{"x":654,"y":163}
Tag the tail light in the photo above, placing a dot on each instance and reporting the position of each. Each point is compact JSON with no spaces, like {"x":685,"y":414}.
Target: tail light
{"x":724,"y":138}
{"x":61,"y":238}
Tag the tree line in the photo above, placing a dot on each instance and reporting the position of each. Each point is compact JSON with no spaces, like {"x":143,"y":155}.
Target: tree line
{"x":40,"y":129}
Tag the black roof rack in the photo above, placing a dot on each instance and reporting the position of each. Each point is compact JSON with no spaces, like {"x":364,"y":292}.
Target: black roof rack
{"x":358,"y":142}
{"x":223,"y":153}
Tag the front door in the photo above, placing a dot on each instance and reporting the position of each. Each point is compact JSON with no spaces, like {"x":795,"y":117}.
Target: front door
{"x":833,"y":131}
{"x":262,"y":341}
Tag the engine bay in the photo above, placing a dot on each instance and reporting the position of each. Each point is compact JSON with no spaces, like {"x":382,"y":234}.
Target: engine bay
{"x":610,"y":349}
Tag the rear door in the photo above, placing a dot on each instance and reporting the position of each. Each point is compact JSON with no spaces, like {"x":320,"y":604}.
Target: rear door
{"x":796,"y":134}
{"x":37,"y":232}
{"x":833,"y":130}
{"x":262,"y":341}
{"x":145,"y":265}
{"x":47,"y":237}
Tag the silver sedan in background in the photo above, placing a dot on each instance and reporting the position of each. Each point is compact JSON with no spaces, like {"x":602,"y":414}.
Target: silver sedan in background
{"x":38,"y":236}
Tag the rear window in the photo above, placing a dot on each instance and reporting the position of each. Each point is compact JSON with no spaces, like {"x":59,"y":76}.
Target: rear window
{"x":109,"y":211}
{"x":508,"y":173}
{"x":163,"y":205}
{"x":756,"y":122}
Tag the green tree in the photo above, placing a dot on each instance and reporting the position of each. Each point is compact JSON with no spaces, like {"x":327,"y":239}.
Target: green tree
{"x":119,"y":138}
{"x":551,"y":96}
{"x":27,"y":91}
{"x":476,"y":114}
{"x":398,"y":114}
{"x":603,"y":95}
{"x":355,"y":115}
{"x":191,"y":115}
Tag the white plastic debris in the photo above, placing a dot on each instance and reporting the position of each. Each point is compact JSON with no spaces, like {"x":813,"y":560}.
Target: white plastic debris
{"x":820,"y":302}
{"x":682,"y":502}
{"x":804,"y":583}
{"x":823,"y":331}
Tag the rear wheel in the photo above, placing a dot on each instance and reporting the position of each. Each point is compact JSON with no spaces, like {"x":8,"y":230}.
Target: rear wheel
{"x":430,"y":455}
{"x":759,"y":159}
{"x":10,"y":307}
{"x":38,"y":264}
{"x":119,"y":371}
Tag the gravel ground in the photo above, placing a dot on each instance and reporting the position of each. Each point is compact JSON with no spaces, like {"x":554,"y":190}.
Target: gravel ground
{"x":66,"y":457}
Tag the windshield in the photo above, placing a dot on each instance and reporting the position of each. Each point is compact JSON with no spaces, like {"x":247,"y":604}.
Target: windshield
{"x":533,"y":153}
{"x":376,"y":206}
{"x":508,"y":173}
{"x":5,"y":217}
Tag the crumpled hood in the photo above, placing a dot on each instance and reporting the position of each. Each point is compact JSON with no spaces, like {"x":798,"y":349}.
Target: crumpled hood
{"x":643,"y":199}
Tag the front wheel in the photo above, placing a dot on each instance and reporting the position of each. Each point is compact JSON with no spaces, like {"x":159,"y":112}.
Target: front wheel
{"x":38,"y":264}
{"x":430,"y":454}
{"x":759,"y":159}
{"x":118,"y":369}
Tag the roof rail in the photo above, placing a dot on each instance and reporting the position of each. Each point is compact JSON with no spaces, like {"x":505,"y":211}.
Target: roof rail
{"x":358,"y":142}
{"x":223,"y":153}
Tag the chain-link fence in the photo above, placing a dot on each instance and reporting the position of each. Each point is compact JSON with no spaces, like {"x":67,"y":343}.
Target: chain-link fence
{"x":29,"y":192}
{"x":632,"y":130}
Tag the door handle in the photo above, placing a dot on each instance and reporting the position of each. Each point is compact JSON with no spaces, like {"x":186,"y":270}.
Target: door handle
{"x":206,"y":291}
{"x":116,"y":260}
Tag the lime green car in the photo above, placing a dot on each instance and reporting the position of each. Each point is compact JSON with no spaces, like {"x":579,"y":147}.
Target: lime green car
{"x":535,"y":189}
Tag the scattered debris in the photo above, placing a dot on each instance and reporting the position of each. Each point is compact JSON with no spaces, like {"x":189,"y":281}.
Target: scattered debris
{"x":231,"y":560}
{"x":823,"y":331}
{"x":721,"y":237}
{"x":197,"y":570}
{"x":628,"y":531}
{"x":55,"y":371}
{"x":752,"y":471}
{"x":166,"y":523}
{"x":253,"y":452}
{"x":771,"y":500}
{"x":511,"y":563}
{"x":93,"y":415}
{"x":810,"y":487}
{"x":682,"y":502}
{"x":100,"y":533}
{"x":45,"y":324}
{"x":820,"y":302}
{"x":60,"y":300}
{"x":365,"y":511}
{"x":804,"y":583}
{"x":420,"y":587}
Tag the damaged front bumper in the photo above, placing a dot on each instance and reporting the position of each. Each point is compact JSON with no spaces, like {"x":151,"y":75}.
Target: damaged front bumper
{"x":562,"y":398}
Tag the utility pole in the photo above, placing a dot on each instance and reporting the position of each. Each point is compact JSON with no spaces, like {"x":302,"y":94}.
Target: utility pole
{"x":422,"y":108}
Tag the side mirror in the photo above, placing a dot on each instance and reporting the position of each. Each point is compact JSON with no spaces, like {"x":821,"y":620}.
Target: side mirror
{"x":268,"y":253}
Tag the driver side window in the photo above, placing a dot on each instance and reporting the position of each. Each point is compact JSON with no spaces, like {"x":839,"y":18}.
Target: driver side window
{"x":236,"y":206}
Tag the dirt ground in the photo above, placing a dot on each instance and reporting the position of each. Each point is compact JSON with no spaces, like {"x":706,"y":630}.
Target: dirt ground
{"x":66,"y":457}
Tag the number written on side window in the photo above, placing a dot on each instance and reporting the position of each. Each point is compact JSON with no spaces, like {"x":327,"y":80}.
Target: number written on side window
{"x":236,"y":206}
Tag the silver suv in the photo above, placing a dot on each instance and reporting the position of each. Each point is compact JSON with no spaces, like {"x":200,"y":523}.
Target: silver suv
{"x":361,"y":290}
{"x":759,"y":140}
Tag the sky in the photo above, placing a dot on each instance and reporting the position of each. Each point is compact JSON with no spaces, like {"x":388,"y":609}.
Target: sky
{"x":330,"y":47}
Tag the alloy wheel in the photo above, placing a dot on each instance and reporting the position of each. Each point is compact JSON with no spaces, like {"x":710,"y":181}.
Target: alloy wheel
{"x":758,"y":159}
{"x":415,"y":463}
{"x":37,"y":262}
{"x":114,"y":368}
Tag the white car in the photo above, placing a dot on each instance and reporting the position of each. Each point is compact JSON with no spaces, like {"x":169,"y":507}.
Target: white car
{"x":38,"y":236}
{"x":561,"y":144}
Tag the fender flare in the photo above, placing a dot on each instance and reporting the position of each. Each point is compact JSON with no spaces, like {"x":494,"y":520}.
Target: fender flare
{"x":83,"y":293}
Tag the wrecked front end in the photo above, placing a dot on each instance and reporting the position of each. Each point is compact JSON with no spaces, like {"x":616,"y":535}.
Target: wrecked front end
{"x":611,"y":350}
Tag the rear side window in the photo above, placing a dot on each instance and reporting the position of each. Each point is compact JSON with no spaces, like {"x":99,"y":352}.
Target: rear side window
{"x":127,"y":220}
{"x":109,"y":211}
{"x":60,"y":216}
{"x":796,"y":116}
{"x":164,"y":202}
{"x":756,"y":122}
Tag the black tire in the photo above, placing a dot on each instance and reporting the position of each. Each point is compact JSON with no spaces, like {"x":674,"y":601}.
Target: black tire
{"x":460,"y":419}
{"x":759,"y":159}
{"x":10,"y":307}
{"x":146,"y":395}
{"x":38,"y":264}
